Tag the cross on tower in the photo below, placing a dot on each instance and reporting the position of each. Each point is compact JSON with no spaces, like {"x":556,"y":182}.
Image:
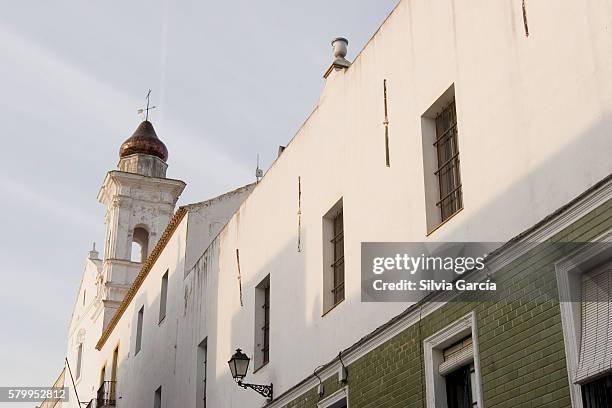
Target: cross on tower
{"x":147,"y":109}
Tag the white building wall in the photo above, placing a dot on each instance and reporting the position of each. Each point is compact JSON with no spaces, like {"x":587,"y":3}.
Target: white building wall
{"x":535,"y":130}
{"x":85,"y":328}
{"x":168,"y":354}
{"x":535,"y":126}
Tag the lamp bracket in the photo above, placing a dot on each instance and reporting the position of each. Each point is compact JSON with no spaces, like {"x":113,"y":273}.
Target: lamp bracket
{"x":263,"y":390}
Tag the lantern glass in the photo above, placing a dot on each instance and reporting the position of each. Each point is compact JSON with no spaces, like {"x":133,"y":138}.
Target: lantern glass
{"x":239,"y":364}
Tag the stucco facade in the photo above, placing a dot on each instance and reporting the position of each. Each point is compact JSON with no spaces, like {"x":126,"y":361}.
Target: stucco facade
{"x":534,"y":123}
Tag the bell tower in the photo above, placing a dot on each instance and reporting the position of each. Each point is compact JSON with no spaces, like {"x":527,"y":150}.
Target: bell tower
{"x":139,"y":202}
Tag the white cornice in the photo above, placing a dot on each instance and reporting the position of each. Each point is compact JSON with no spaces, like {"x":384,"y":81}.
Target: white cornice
{"x":123,"y":178}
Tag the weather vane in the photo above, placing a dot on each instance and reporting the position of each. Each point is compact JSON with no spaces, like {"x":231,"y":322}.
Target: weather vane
{"x":147,"y":109}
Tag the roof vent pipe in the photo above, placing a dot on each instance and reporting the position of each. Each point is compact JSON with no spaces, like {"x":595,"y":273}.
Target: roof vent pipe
{"x":340,"y":46}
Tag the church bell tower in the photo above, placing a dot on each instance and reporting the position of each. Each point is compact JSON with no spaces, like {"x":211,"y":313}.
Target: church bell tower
{"x":139,"y":202}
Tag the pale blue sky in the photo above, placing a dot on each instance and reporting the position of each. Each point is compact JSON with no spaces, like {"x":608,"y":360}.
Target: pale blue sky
{"x":231,"y":79}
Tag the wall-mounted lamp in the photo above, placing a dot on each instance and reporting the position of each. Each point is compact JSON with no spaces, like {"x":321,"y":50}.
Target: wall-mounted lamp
{"x":239,"y":365}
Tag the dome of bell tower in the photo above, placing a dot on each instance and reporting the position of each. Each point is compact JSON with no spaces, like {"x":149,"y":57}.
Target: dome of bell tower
{"x":144,"y":141}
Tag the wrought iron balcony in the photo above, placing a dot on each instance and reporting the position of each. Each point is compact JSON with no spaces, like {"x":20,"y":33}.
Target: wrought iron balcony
{"x":106,"y":394}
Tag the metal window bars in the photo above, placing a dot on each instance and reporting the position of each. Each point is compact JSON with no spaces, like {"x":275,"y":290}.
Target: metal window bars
{"x":338,"y":264}
{"x":106,"y":394}
{"x":266,"y":326}
{"x":449,"y":178}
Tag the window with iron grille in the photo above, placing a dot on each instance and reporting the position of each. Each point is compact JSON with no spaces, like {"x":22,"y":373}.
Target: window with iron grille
{"x":333,"y":257}
{"x":449,"y":178}
{"x":266,"y":326}
{"x":262,"y":323}
{"x":338,"y":266}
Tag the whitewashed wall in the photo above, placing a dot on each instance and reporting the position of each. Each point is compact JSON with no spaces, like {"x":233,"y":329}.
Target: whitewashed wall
{"x":167,"y":357}
{"x":86,"y":328}
{"x":535,"y":130}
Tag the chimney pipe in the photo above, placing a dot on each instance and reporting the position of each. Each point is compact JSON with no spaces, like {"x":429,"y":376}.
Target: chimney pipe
{"x":339,"y":45}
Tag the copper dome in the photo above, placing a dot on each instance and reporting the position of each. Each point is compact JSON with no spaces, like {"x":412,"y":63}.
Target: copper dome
{"x":144,"y":141}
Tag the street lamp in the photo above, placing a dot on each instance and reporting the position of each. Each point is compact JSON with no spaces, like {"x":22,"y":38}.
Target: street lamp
{"x":239,"y":365}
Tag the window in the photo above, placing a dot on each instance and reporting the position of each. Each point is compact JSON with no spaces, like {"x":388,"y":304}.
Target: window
{"x":448,"y":162}
{"x":262,"y":323}
{"x":452,"y":370}
{"x":338,"y":265}
{"x":585,"y":288}
{"x":458,"y":370}
{"x":79,"y":361}
{"x":140,"y":245}
{"x":598,"y":393}
{"x":443,"y":188}
{"x":202,"y":357}
{"x":139,"y":330}
{"x":595,"y":355}
{"x":333,"y":257}
{"x":163,"y":297}
{"x":113,"y":383}
{"x":157,"y":402}
{"x":102,"y":375}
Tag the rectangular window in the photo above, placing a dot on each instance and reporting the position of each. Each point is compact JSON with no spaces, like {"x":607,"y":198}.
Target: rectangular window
{"x":595,"y":356}
{"x":585,"y":281}
{"x":338,"y":265}
{"x":139,"y":330}
{"x":262,"y":323}
{"x":202,"y":357}
{"x":79,"y":360}
{"x":443,"y":188}
{"x":458,"y":369}
{"x":452,"y":370}
{"x":447,"y":172}
{"x":113,"y":381}
{"x":163,"y":297}
{"x":333,"y":257}
{"x":102,"y":375}
{"x":157,"y":402}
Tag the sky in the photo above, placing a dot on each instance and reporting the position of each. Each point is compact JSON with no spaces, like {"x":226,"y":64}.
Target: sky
{"x":230,"y":80}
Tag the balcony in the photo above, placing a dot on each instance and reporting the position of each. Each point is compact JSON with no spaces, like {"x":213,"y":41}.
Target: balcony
{"x":106,"y":395}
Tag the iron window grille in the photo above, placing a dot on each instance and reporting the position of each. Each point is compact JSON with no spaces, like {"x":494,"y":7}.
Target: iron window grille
{"x":106,"y":394}
{"x":338,"y":264}
{"x":448,"y":174}
{"x":266,"y":326}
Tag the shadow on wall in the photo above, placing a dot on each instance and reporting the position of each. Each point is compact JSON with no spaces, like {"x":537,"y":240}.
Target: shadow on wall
{"x":588,"y":155}
{"x":586,"y":159}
